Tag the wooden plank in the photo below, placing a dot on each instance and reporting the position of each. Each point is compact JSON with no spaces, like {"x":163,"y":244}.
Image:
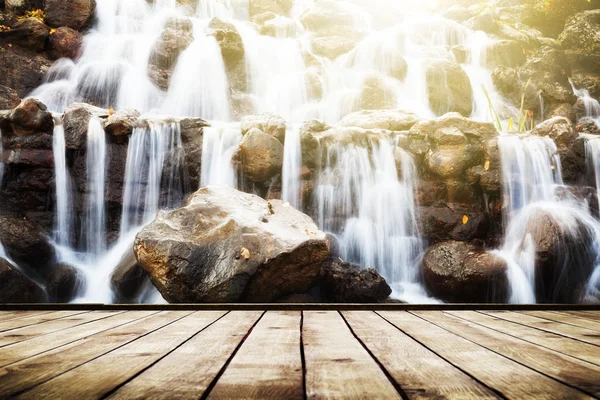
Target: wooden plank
{"x":33,"y":371}
{"x":559,"y":328}
{"x":22,"y":350}
{"x":337,"y":365}
{"x":420,"y":373}
{"x":504,"y":375}
{"x":189,"y":370}
{"x":98,"y":377}
{"x":7,"y":315}
{"x":593,"y":315}
{"x":567,"y":346}
{"x":569,"y":370}
{"x":35,"y":319}
{"x":269,"y":363}
{"x":566,"y":318}
{"x":44,"y":328}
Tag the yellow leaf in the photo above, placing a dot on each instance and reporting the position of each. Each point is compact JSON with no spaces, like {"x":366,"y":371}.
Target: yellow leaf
{"x":486,"y":166}
{"x":245,"y":253}
{"x":52,"y":31}
{"x":465,"y":219}
{"x":110,"y":111}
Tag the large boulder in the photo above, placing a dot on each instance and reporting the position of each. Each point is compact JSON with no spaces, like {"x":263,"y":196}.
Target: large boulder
{"x":15,"y":287}
{"x":470,"y":128}
{"x":75,"y":14}
{"x":449,"y":88}
{"x":122,"y":122}
{"x":281,"y":7}
{"x":30,"y":33}
{"x":226,"y":246}
{"x":261,"y":155}
{"x":347,"y":283}
{"x":64,"y":283}
{"x":580,"y":38}
{"x":232,"y":50}
{"x":128,"y":278}
{"x":392,"y":120}
{"x":376,"y":94}
{"x":459,"y":272}
{"x":22,"y":73}
{"x":558,"y":129}
{"x":439,"y":224}
{"x":65,"y":43}
{"x":269,"y":123}
{"x":30,"y":117}
{"x":25,"y":244}
{"x":76,"y":119}
{"x":550,"y":16}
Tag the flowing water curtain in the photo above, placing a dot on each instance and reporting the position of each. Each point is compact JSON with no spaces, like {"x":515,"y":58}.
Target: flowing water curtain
{"x":154,"y":174}
{"x":63,"y":212}
{"x":292,"y":163}
{"x":220,"y":141}
{"x":360,"y":198}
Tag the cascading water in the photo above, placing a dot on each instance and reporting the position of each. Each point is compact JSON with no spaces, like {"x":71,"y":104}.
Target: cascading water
{"x":63,"y":223}
{"x":292,"y":162}
{"x":93,"y":227}
{"x":219,"y":143}
{"x":360,"y":198}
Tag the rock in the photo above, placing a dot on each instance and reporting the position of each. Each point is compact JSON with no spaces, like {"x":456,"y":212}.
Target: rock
{"x":564,"y":255}
{"x":269,"y":123}
{"x":347,"y":283}
{"x":509,"y":53}
{"x":21,"y":6}
{"x":75,"y":14}
{"x":15,"y":287}
{"x":334,"y":46}
{"x":30,"y":33}
{"x":22,"y":73}
{"x":472,"y":129}
{"x":564,"y":110}
{"x":558,"y":129}
{"x":484,"y":21}
{"x":550,"y":16}
{"x":76,"y":119}
{"x":30,"y":117}
{"x":459,"y":272}
{"x":392,"y":120}
{"x":64,"y":283}
{"x":65,"y":43}
{"x":449,"y":88}
{"x":30,"y":158}
{"x":9,"y":98}
{"x":447,"y":162}
{"x":128,"y":278}
{"x":230,"y":41}
{"x":122,"y":122}
{"x":302,"y":298}
{"x":261,"y":155}
{"x":242,"y":104}
{"x":328,"y":15}
{"x":228,"y":246}
{"x":25,"y":244}
{"x":440,"y":224}
{"x":281,"y":7}
{"x":376,"y":94}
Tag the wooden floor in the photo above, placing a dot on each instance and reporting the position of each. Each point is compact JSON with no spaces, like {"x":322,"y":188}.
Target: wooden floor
{"x":170,"y":354}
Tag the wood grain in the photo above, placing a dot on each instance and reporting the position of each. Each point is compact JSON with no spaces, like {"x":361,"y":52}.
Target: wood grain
{"x":559,"y":328}
{"x":6,"y":315}
{"x":337,"y":366}
{"x":421,"y":373}
{"x":96,"y":378}
{"x":28,"y":373}
{"x":570,"y":319}
{"x":269,"y":363}
{"x":35,"y":319}
{"x":189,"y":370}
{"x":506,"y":376}
{"x":554,"y":364}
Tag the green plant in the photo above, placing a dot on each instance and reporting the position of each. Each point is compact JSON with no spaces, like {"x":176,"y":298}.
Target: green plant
{"x":523,"y":114}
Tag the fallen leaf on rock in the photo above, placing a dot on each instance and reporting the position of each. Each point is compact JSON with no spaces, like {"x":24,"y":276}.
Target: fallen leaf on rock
{"x":245,"y":253}
{"x":465,"y":219}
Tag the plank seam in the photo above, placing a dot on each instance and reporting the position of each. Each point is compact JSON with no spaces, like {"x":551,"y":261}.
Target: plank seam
{"x":119,"y":386}
{"x":101,"y":355}
{"x":508,"y":358}
{"x":39,"y":322}
{"x":395,"y":384}
{"x":541,"y":329}
{"x":226,"y":365}
{"x":302,"y":356}
{"x":493,"y":390}
{"x":560,"y":322}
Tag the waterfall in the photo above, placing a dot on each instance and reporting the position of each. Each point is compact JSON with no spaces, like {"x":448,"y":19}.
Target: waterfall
{"x":292,"y":162}
{"x":93,"y":227}
{"x":219,"y":144}
{"x":591,"y":105}
{"x":150,"y":150}
{"x":361,"y":199}
{"x":63,"y":219}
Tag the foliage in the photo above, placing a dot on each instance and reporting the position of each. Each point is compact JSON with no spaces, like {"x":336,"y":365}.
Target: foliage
{"x":4,"y":28}
{"x":524,"y":115}
{"x":38,"y":14}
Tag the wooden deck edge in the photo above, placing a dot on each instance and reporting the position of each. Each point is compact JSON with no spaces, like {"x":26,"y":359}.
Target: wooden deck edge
{"x":301,"y":306}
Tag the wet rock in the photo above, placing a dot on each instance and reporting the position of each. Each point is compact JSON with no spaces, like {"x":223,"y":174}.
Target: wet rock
{"x":122,"y":122}
{"x":333,"y":46}
{"x":25,"y":244}
{"x":449,"y":88}
{"x":392,"y":120}
{"x":227,"y":246}
{"x":9,"y":98}
{"x":30,"y":158}
{"x":376,"y":94}
{"x":580,"y":33}
{"x":549,"y":16}
{"x":281,"y":7}
{"x":76,"y":119}
{"x":230,"y":41}
{"x":30,"y":33}
{"x":484,"y":21}
{"x":564,"y":110}
{"x":347,"y":283}
{"x":261,"y":155}
{"x":64,"y":283}
{"x":242,"y":104}
{"x":15,"y":287}
{"x":269,"y":123}
{"x":22,"y":73}
{"x":440,"y":224}
{"x":509,"y":53}
{"x":328,"y":15}
{"x":459,"y":272}
{"x":472,"y":129}
{"x":65,"y":43}
{"x":75,"y":14}
{"x":21,"y":6}
{"x":558,"y":129}
{"x":30,"y":117}
{"x":447,"y":162}
{"x":128,"y":278}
